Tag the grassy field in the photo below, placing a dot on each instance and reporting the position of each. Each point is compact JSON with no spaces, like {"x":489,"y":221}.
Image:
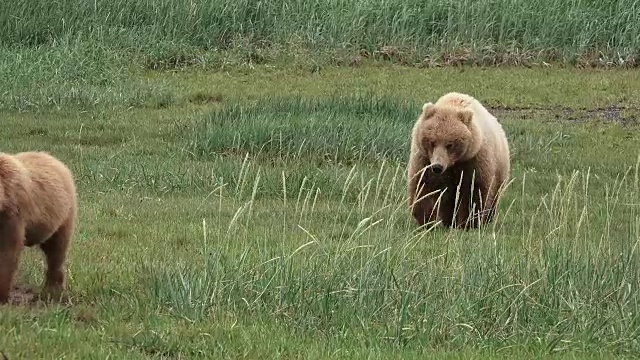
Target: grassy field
{"x":169,"y":33}
{"x":241,"y":177}
{"x":261,"y":214}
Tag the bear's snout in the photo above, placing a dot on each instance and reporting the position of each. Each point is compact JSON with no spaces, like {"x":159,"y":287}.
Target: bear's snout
{"x":437,"y":169}
{"x":440,"y":160}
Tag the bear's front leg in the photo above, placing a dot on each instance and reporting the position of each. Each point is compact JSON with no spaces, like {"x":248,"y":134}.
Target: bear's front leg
{"x":470,"y":214}
{"x":55,"y":250}
{"x":424,"y":200}
{"x":424,"y":210}
{"x":469,"y":206}
{"x":11,"y":245}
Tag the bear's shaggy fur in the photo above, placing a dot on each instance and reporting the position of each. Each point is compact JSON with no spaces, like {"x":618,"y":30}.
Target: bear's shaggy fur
{"x":458,"y":149}
{"x":37,"y":207}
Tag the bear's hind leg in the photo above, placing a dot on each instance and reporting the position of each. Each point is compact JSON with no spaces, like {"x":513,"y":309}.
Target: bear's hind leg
{"x":55,"y":251}
{"x":490,"y":196}
{"x":11,"y":245}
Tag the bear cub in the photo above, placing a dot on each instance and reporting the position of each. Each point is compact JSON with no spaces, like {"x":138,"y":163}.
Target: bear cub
{"x":459,"y":163}
{"x":37,"y":207}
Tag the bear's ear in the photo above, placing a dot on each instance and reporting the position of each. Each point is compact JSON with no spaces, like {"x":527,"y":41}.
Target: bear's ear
{"x":427,"y":110}
{"x":465,"y":116}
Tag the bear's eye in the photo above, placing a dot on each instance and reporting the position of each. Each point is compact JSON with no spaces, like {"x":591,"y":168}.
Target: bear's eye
{"x":449,"y":146}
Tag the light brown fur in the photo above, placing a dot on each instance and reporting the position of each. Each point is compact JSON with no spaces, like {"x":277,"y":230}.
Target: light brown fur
{"x":477,"y":160}
{"x":37,"y":207}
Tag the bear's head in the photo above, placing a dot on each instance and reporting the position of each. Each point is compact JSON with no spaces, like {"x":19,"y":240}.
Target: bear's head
{"x":447,"y":136}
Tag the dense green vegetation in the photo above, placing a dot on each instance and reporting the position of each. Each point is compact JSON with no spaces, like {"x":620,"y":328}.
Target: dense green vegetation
{"x":559,"y":28}
{"x":241,"y":176}
{"x":270,"y":221}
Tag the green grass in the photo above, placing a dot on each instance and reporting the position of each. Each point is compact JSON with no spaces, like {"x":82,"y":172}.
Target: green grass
{"x":559,"y":28}
{"x":81,"y":53}
{"x":262,"y":214}
{"x":258,"y":210}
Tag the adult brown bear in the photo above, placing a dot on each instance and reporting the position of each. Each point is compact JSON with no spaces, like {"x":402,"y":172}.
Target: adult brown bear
{"x":459,"y":163}
{"x":37,"y":207}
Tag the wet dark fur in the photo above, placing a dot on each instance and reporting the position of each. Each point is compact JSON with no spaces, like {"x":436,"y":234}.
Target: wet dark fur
{"x":467,"y":214}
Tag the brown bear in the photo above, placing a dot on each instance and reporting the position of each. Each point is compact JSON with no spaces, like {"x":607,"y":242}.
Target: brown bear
{"x":459,"y":163}
{"x":37,"y":207}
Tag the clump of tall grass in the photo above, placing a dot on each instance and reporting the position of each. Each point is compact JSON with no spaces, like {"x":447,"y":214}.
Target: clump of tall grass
{"x":558,"y":271}
{"x":465,"y":30}
{"x":72,"y":76}
{"x":338,"y":130}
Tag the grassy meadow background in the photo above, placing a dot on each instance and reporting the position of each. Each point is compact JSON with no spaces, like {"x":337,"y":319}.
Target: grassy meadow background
{"x":241,"y":173}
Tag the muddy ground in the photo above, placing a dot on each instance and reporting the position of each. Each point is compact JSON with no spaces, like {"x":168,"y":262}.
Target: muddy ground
{"x":626,"y":116}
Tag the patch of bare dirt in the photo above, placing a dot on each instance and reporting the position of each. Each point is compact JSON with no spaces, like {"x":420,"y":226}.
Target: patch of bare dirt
{"x":205,"y":98}
{"x":22,"y":296}
{"x":31,"y":296}
{"x":611,"y":113}
{"x":626,"y":116}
